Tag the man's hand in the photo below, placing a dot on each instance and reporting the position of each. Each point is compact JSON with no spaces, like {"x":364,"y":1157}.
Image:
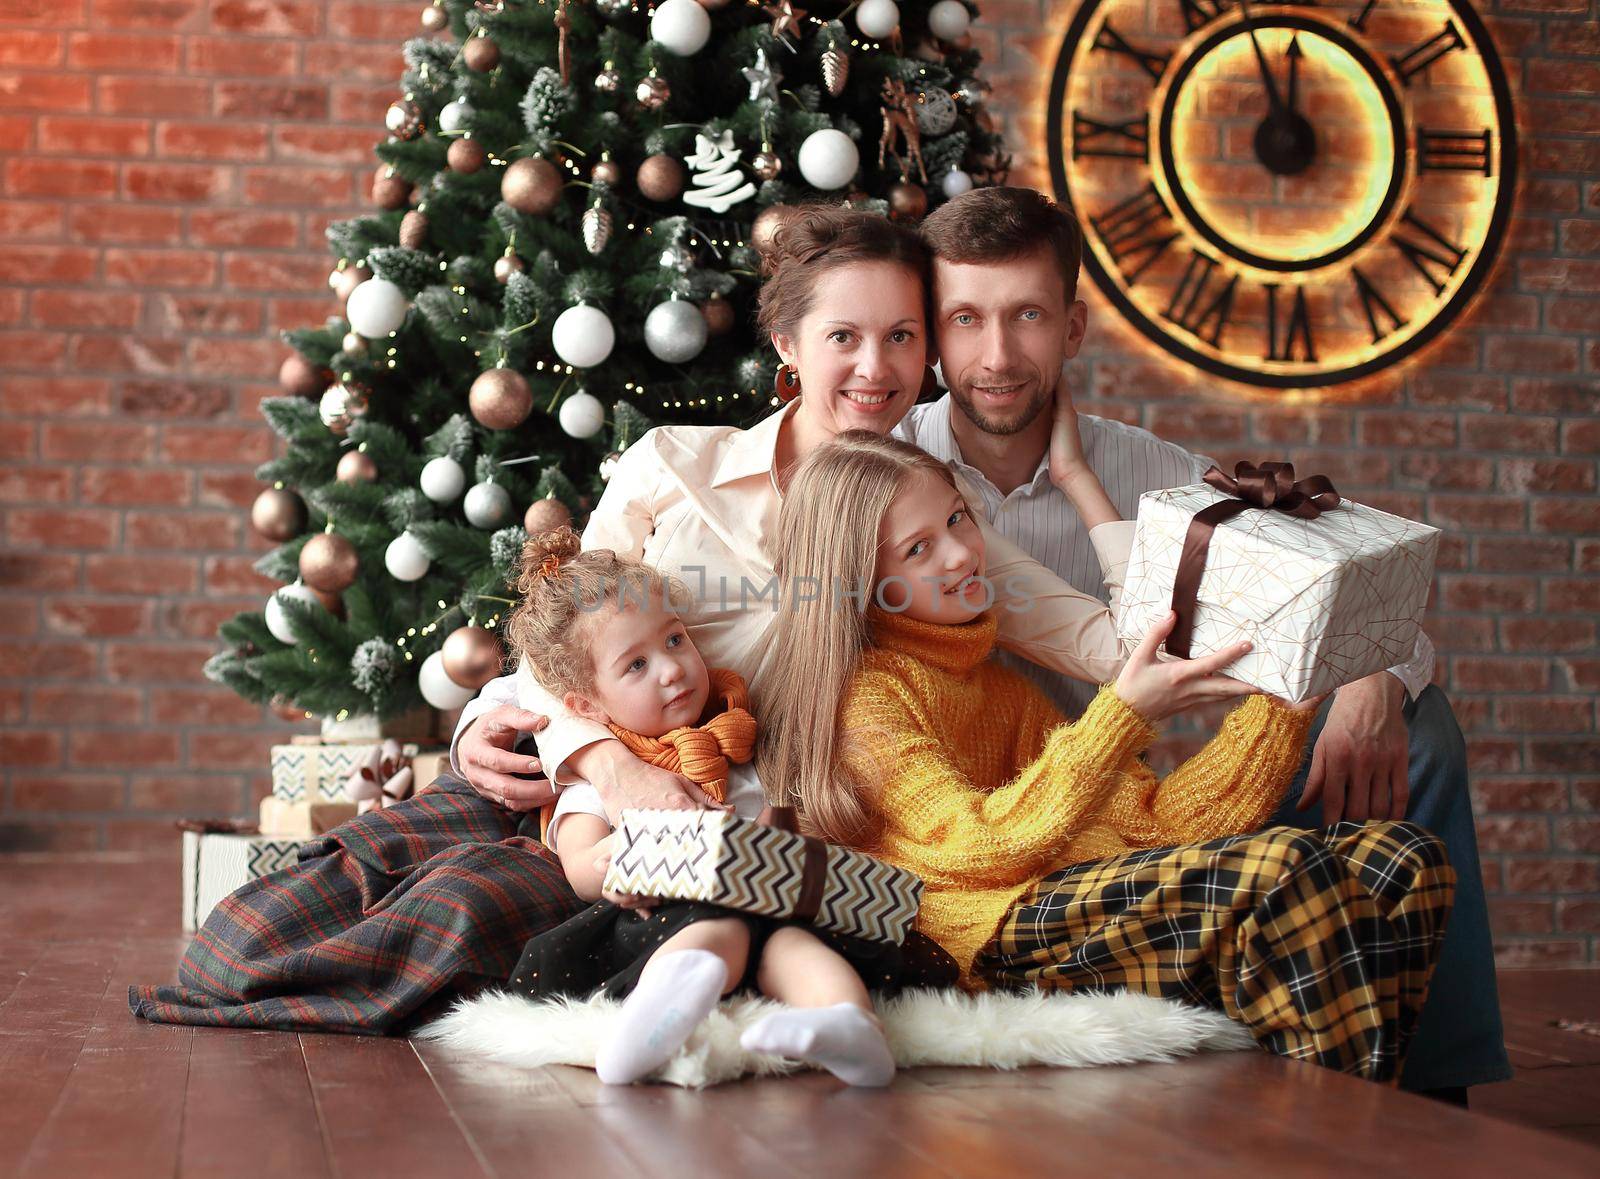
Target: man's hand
{"x":1360,"y":765}
{"x":626,"y":783}
{"x":488,"y":763}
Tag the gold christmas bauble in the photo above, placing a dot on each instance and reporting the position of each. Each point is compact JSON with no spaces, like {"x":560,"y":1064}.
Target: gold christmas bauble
{"x":466,"y":156}
{"x":344,"y":281}
{"x":472,"y":656}
{"x":480,"y":54}
{"x":500,"y":399}
{"x":766,"y":164}
{"x":607,"y":171}
{"x":907,"y":201}
{"x":343,"y":404}
{"x":414,"y":230}
{"x":506,"y":265}
{"x":298,"y":377}
{"x":652,"y":92}
{"x":328,"y":562}
{"x":661,"y":178}
{"x":403,"y":119}
{"x":545,"y":515}
{"x":355,"y":466}
{"x":435,"y":18}
{"x":278,"y":514}
{"x":718,"y":313}
{"x":766,"y":224}
{"x":390,"y":190}
{"x":532,"y":185}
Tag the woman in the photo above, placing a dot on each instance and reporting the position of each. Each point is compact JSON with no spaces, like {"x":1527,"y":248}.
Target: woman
{"x":394,"y":908}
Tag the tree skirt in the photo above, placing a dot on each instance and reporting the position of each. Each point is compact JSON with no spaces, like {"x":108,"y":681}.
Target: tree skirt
{"x":925,"y":1028}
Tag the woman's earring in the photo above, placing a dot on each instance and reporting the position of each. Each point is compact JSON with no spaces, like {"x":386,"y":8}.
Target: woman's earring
{"x":930,"y":383}
{"x":787,"y":383}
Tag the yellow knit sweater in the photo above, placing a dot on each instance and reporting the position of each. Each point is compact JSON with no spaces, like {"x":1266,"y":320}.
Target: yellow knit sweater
{"x":984,"y":788}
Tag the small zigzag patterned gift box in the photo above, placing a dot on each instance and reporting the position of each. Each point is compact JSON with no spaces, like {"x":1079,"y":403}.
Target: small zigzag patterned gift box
{"x":740,"y":864}
{"x":1325,"y":600}
{"x":216,"y":863}
{"x":317,"y":772}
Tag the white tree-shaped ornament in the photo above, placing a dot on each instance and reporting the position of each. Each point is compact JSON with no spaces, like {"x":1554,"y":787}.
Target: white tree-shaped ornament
{"x":718,"y":183}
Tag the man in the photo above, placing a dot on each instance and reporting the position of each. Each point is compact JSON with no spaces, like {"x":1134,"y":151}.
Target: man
{"x":1006,"y":319}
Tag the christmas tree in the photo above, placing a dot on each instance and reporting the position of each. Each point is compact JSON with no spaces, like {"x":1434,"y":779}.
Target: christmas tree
{"x":566,"y":203}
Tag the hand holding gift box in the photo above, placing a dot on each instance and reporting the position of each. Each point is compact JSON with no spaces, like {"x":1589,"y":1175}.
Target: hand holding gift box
{"x":760,"y":867}
{"x":1326,"y":590}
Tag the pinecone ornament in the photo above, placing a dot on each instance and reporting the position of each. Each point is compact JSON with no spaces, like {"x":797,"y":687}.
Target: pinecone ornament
{"x":596,"y":227}
{"x":835,"y":69}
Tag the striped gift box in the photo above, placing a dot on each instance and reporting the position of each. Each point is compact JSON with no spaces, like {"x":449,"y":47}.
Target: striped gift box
{"x":740,"y":864}
{"x":215,"y":864}
{"x":317,"y":773}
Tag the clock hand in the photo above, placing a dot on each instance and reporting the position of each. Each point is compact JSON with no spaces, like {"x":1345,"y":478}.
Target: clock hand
{"x":1273,"y":97}
{"x":1293,"y":54}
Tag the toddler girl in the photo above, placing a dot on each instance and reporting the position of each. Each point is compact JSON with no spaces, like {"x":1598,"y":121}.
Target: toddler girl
{"x":1046,"y":848}
{"x":600,"y":632}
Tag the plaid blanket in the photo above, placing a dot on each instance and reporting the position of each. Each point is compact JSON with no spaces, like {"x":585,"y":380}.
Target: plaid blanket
{"x":381,"y":918}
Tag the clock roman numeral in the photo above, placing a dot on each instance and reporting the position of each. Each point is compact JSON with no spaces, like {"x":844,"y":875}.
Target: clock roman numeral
{"x":1422,"y":55}
{"x":1376,"y":307}
{"x":1112,"y":41}
{"x":1199,"y":307}
{"x":1200,"y":12}
{"x":1426,"y":249}
{"x":1291,"y":340}
{"x":1455,"y":151}
{"x":1135,"y":232}
{"x":1359,"y":22}
{"x":1129,"y":140}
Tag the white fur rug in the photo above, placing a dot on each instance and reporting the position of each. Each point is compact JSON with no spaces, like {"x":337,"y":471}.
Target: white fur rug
{"x":995,"y":1030}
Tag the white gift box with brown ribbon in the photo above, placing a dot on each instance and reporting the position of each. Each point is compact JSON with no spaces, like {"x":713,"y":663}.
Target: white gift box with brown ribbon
{"x":757,"y":866}
{"x":1327,"y":591}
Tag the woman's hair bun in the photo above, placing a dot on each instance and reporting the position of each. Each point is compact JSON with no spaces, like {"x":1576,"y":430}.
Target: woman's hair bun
{"x":544,"y":555}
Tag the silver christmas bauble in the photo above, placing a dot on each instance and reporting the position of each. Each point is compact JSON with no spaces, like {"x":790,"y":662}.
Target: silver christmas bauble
{"x":936,"y":111}
{"x":955,"y":183}
{"x":652,"y":92}
{"x":403,"y":119}
{"x":608,"y":80}
{"x":766,"y":165}
{"x":675,"y":331}
{"x":341,"y":405}
{"x":456,"y":116}
{"x":488,"y":505}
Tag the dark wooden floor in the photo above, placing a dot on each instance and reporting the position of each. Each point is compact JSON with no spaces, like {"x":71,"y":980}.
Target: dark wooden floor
{"x":85,"y":1090}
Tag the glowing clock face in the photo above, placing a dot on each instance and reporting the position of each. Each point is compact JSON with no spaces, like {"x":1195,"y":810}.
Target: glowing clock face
{"x":1289,"y":196}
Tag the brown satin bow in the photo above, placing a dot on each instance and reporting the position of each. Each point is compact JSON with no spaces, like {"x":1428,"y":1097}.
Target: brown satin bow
{"x":1270,"y":486}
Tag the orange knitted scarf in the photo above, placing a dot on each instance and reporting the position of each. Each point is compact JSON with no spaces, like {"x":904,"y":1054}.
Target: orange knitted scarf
{"x":702,"y":752}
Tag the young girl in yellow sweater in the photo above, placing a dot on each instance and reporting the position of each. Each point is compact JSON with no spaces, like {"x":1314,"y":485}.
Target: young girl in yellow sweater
{"x":601,"y":631}
{"x":1050,"y":853}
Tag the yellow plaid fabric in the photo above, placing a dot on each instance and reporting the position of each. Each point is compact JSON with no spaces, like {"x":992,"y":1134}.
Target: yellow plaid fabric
{"x":1321,"y":943}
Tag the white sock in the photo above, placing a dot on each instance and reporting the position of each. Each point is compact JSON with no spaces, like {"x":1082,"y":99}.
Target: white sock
{"x":674,"y":994}
{"x":843,"y":1039}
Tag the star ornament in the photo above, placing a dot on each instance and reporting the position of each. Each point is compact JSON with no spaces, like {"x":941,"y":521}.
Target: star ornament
{"x":763,"y":78}
{"x":786,"y":19}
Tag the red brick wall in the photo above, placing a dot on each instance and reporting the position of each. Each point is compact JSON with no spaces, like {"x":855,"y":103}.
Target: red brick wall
{"x":166,"y":171}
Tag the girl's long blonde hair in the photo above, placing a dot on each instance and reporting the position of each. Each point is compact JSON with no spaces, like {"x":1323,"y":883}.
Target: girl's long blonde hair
{"x":827,"y":554}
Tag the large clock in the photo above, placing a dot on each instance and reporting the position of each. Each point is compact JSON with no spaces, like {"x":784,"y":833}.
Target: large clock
{"x":1290,"y":196}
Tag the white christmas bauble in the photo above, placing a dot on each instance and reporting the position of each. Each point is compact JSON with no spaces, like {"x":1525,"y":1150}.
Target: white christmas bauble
{"x":949,"y":20}
{"x":829,"y":158}
{"x":404,"y":558}
{"x":438,"y":689}
{"x":681,"y":27}
{"x":443,"y":479}
{"x":278,"y":618}
{"x":675,"y":331}
{"x":456,"y":115}
{"x":583,"y":336}
{"x":878,"y":19}
{"x":582,"y":415}
{"x":376,"y":308}
{"x":488,"y":505}
{"x":955,"y":183}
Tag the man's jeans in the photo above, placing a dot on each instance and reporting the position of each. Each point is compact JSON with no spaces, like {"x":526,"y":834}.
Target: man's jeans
{"x":1458,"y":1040}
